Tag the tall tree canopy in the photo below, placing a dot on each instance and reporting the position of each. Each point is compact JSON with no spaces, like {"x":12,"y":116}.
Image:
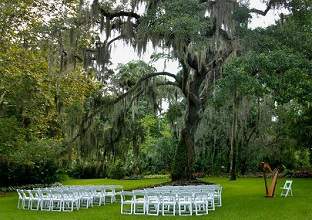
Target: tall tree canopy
{"x":201,"y":35}
{"x":230,"y":83}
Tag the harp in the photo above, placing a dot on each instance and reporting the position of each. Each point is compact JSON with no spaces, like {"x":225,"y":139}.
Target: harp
{"x":269,"y":189}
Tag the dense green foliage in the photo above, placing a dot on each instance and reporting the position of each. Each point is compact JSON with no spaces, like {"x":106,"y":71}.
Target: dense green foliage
{"x":36,"y":97}
{"x":268,"y":90}
{"x":240,"y":97}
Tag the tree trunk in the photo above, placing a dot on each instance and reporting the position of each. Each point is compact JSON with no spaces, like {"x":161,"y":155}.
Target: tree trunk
{"x":136,"y":152}
{"x":233,"y":142}
{"x":213,"y":153}
{"x":184,"y":158}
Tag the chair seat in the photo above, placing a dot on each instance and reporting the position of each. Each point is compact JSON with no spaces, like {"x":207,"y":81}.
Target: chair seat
{"x":127,"y":202}
{"x":185,"y":202}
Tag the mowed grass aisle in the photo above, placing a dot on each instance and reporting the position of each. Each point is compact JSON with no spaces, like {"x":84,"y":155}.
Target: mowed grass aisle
{"x":242,"y":199}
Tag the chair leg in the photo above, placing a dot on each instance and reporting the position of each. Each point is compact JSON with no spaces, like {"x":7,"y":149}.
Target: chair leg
{"x":29,"y":204}
{"x":196,"y":212}
{"x":174,"y":206}
{"x":163,"y":210}
{"x":38,"y":202}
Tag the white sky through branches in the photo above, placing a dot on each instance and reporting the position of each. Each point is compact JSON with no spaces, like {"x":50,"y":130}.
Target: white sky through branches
{"x":122,"y":53}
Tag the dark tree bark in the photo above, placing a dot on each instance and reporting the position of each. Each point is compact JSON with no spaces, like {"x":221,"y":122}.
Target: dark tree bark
{"x":233,"y":141}
{"x":136,"y":153}
{"x":184,"y":158}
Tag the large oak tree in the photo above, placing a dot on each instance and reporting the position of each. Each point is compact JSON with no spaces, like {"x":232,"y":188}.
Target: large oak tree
{"x":201,"y":35}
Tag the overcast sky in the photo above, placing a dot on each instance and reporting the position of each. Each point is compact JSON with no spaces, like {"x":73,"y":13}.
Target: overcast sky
{"x":122,"y":53}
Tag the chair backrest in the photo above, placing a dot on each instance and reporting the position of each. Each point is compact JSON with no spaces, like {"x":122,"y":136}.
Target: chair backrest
{"x":138,"y":194}
{"x":172,"y":197}
{"x":287,"y":184}
{"x":126,"y":195}
{"x":185,"y":196}
{"x":20,"y":196}
{"x":202,"y":196}
{"x":26,"y":193}
{"x":152,"y":195}
{"x":45,"y":193}
{"x":35,"y":193}
{"x":56,"y":194}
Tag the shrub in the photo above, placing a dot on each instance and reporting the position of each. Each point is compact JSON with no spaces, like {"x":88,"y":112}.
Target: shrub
{"x":116,"y":170}
{"x":87,"y":170}
{"x":34,"y":162}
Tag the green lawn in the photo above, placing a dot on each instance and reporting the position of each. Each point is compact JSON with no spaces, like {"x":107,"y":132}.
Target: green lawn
{"x":242,"y":199}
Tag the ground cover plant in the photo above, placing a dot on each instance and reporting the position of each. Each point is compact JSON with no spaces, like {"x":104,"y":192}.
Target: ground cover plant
{"x":242,"y":199}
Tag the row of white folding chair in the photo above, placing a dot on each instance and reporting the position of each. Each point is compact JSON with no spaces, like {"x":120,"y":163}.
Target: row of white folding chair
{"x":47,"y":200}
{"x":196,"y":191}
{"x":211,"y":188}
{"x":109,"y":191}
{"x":216,"y":188}
{"x":101,"y":193}
{"x":172,"y":201}
{"x":86,"y":197}
{"x":58,"y":199}
{"x":189,"y":187}
{"x":151,"y":202}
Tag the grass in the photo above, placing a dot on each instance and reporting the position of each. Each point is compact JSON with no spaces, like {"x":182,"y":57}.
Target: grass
{"x":127,"y":184}
{"x":242,"y":199}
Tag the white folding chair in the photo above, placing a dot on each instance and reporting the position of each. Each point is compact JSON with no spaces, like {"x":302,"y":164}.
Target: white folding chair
{"x":20,"y":199}
{"x":26,"y":199}
{"x":168,"y":202}
{"x":110,"y":193}
{"x":98,"y":197}
{"x":152,"y":203}
{"x":286,"y":189}
{"x":139,"y":202}
{"x":201,"y":203}
{"x":86,"y":199}
{"x":126,"y":198}
{"x":218,"y":196}
{"x":185,"y":201}
{"x":46,"y":199}
{"x":35,"y":200}
{"x":56,"y":200}
{"x":69,"y":201}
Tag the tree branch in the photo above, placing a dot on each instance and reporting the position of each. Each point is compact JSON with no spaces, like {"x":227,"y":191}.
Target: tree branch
{"x":194,"y":98}
{"x":83,"y":128}
{"x":114,"y":39}
{"x":111,"y":15}
{"x":2,"y":97}
{"x":146,"y":77}
{"x":168,"y":83}
{"x":225,"y":34}
{"x":263,"y":13}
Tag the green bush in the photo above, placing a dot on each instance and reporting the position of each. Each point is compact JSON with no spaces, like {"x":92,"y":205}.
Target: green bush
{"x":88,"y":170}
{"x":33,"y":163}
{"x":116,"y":170}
